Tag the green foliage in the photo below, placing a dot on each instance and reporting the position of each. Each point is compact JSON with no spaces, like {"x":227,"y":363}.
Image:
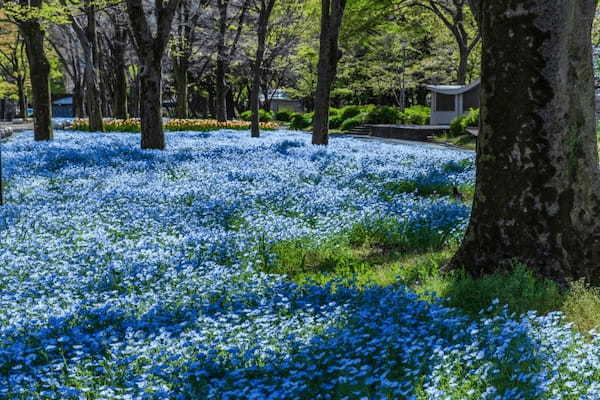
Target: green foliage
{"x":382,"y":115}
{"x":283,"y":116}
{"x":335,"y":122}
{"x":472,"y":119}
{"x":352,"y":123}
{"x":350,"y":112}
{"x":263,"y":116}
{"x":416,"y":115}
{"x":300,"y":121}
{"x":459,"y":125}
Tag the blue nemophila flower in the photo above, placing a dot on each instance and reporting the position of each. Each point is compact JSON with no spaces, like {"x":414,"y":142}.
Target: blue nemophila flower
{"x":130,"y":274}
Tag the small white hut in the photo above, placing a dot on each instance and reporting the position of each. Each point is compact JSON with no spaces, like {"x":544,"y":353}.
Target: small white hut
{"x":450,"y":101}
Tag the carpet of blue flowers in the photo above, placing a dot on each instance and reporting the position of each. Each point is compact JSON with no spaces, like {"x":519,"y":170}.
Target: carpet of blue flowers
{"x":128,"y":274}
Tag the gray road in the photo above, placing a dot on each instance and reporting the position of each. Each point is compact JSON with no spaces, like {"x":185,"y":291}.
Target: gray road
{"x":410,"y":143}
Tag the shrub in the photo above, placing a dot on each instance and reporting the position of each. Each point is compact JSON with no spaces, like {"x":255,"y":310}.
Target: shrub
{"x":350,"y":112}
{"x":263,"y":116}
{"x":416,"y":115}
{"x":335,"y":122}
{"x":283,"y":116}
{"x":300,"y":121}
{"x":334,"y":111}
{"x":382,"y":115}
{"x":459,"y":125}
{"x":246,"y":115}
{"x":472,"y":119}
{"x":352,"y":123}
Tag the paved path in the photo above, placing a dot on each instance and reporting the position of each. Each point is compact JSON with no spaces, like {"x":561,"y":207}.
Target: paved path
{"x":409,"y":143}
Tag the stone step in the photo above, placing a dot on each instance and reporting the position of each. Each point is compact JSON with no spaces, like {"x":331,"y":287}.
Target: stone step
{"x":360,"y":130}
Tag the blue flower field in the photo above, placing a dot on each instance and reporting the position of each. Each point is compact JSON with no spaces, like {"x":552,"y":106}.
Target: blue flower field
{"x":131,"y":274}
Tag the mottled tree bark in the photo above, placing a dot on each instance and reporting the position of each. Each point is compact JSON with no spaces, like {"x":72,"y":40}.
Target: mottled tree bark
{"x":39,"y":68}
{"x":332,"y":12}
{"x":537,"y":196}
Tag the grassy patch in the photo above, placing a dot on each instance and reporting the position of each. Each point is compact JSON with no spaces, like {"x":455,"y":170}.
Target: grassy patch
{"x":464,"y":192}
{"x":465,"y":141}
{"x":365,"y":256}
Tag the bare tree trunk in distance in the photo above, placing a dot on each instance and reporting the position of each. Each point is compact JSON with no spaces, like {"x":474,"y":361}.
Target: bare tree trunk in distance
{"x":39,"y":68}
{"x":220,"y":84}
{"x":537,"y":198}
{"x":332,"y":13}
{"x":121,"y":87}
{"x":150,"y":50}
{"x":90,"y":49}
{"x":265,"y":9}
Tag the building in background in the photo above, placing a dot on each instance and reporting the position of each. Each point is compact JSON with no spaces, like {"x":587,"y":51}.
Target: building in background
{"x":280,"y":101}
{"x":63,"y":107}
{"x":451,"y":101}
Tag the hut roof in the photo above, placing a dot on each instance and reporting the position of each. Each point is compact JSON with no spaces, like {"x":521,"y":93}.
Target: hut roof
{"x":453,"y":89}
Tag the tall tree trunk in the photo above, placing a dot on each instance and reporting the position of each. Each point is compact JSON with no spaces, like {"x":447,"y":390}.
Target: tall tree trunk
{"x":150,"y":49}
{"x":221,"y":68}
{"x":181,"y":88}
{"x":78,"y":99}
{"x":93,"y":96}
{"x":22,"y":97}
{"x":266,"y":7}
{"x":463,"y":64}
{"x":153,"y":136}
{"x":332,"y":12}
{"x":537,"y":197}
{"x":121,"y":88}
{"x":230,"y":105}
{"x":221,"y":91}
{"x":39,"y":67}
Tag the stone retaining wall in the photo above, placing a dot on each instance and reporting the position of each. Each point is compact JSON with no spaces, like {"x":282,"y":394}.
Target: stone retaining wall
{"x":407,"y":132}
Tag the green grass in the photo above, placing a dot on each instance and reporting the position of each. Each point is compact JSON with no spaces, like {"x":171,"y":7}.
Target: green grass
{"x":465,"y":141}
{"x":366,"y":256}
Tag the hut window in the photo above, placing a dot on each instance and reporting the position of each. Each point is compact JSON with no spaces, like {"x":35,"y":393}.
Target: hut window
{"x":445,"y":102}
{"x":471,"y":99}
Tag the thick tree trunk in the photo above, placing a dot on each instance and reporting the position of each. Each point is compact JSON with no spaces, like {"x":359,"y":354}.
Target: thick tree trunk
{"x":39,"y":68}
{"x":92,"y":99}
{"x":332,"y":12}
{"x":538,"y":180}
{"x":153,"y":136}
{"x":181,"y":88}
